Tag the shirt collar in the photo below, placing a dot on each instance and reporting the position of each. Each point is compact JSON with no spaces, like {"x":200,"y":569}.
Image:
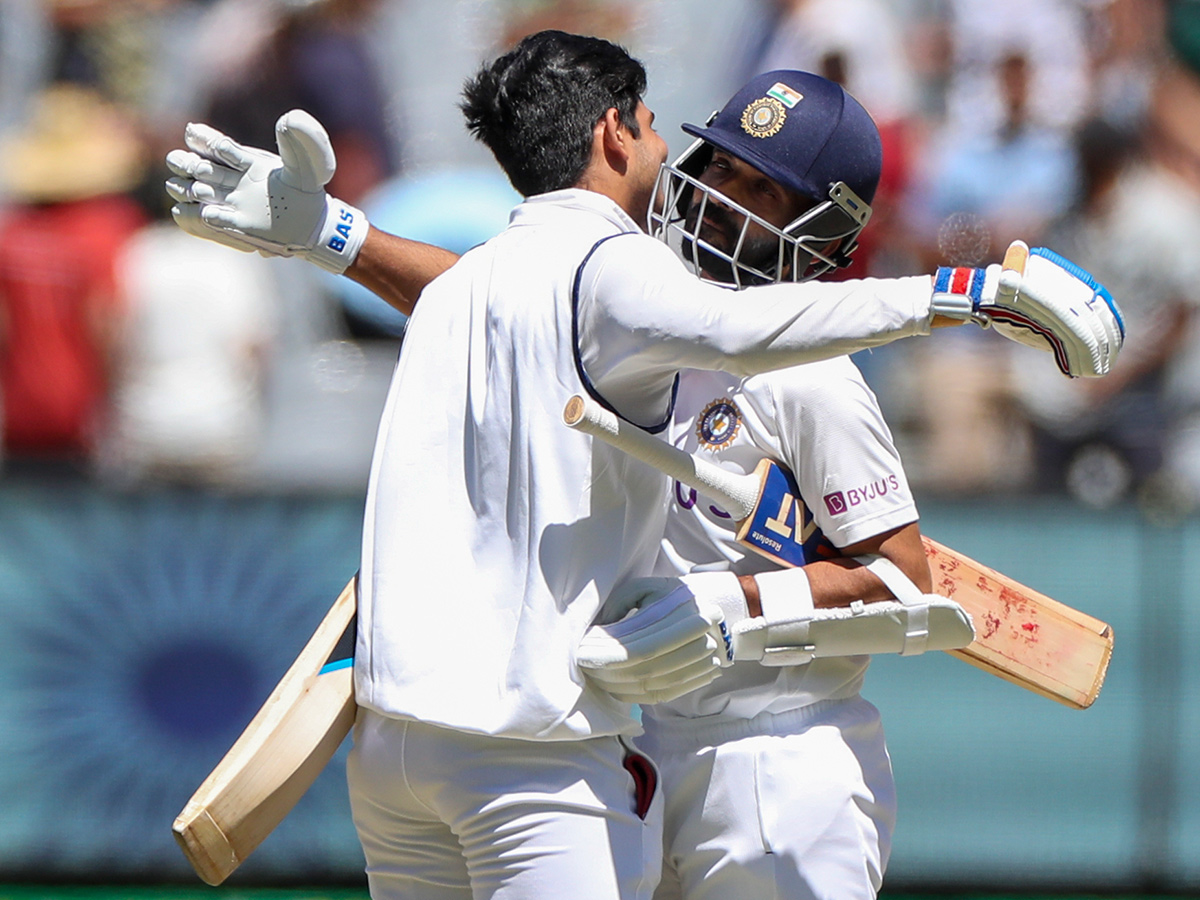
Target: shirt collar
{"x":542,"y":207}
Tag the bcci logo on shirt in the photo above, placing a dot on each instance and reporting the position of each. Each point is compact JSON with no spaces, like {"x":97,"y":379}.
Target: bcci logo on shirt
{"x":719,"y":424}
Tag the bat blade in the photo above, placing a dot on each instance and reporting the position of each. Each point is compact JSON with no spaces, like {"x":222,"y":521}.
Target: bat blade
{"x":1022,"y":635}
{"x":279,"y":755}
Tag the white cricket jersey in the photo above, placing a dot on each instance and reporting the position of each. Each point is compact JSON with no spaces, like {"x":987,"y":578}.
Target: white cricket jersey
{"x":823,"y":423}
{"x":492,"y":531}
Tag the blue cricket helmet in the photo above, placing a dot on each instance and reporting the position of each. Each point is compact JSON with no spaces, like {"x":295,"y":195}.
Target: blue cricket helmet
{"x":804,"y":132}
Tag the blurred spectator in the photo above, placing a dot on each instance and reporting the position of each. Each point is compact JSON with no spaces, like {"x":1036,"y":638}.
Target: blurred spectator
{"x":1050,"y":34}
{"x":980,"y":188}
{"x":65,"y":173}
{"x":187,"y":398}
{"x":609,"y":19}
{"x":1128,"y":49}
{"x":312,"y":56}
{"x":24,"y":42}
{"x":1012,"y":180}
{"x":858,"y":43}
{"x":109,"y":45}
{"x":1136,"y":230}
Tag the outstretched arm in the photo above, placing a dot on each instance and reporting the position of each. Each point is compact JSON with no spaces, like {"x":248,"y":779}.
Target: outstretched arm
{"x":276,"y":203}
{"x":398,"y":269}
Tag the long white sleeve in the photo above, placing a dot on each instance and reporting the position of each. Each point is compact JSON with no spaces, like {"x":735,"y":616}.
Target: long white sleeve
{"x":642,"y":315}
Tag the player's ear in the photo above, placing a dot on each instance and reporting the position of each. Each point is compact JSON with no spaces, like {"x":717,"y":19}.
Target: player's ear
{"x":615,"y":137}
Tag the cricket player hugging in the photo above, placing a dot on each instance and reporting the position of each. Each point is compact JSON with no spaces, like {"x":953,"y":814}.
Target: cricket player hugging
{"x":776,"y":776}
{"x":486,"y":764}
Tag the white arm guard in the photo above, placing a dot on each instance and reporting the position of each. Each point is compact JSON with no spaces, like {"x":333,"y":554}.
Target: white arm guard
{"x":253,"y":199}
{"x":1049,"y":303}
{"x":791,"y":632}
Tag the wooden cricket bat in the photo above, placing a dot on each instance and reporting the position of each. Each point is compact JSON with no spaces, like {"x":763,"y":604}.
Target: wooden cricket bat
{"x":279,"y":755}
{"x":1020,"y":635}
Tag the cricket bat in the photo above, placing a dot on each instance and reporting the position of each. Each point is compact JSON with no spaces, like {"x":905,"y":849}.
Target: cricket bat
{"x":279,"y":755}
{"x":1021,"y":635}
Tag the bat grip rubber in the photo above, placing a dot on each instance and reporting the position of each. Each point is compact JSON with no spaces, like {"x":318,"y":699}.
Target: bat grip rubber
{"x":738,"y":494}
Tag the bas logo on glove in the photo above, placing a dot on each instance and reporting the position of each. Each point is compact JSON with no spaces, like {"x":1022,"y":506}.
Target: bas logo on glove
{"x":276,"y":204}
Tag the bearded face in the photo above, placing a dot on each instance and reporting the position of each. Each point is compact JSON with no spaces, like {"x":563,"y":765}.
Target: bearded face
{"x":738,"y":226}
{"x":720,"y":228}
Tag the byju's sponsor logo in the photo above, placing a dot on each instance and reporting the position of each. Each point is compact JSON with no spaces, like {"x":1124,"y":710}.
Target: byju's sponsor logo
{"x":841,"y":501}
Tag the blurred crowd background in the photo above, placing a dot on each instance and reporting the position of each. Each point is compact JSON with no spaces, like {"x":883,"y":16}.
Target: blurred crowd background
{"x":131,"y":353}
{"x":187,"y":429}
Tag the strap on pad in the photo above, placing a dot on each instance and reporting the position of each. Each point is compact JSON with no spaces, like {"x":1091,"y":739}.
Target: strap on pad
{"x":916,"y":634}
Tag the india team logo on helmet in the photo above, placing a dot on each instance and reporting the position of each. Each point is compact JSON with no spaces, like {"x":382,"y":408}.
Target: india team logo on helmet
{"x":764,"y":117}
{"x":807,"y":134}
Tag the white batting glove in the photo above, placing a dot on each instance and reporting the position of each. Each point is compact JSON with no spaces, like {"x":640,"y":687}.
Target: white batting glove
{"x":677,"y":639}
{"x":1039,"y":299}
{"x":276,"y":204}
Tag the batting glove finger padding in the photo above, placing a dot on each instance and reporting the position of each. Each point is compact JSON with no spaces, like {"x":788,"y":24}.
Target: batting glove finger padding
{"x":791,"y":632}
{"x":648,"y":635}
{"x":700,"y":648}
{"x":1041,"y":300}
{"x":637,"y":593}
{"x":194,"y":167}
{"x":676,"y":642}
{"x":187,"y":217}
{"x":696,"y":666}
{"x":273,"y":203}
{"x":669,"y":690}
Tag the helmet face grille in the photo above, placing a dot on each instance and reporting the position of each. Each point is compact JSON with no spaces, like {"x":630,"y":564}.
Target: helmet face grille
{"x":819,"y":240}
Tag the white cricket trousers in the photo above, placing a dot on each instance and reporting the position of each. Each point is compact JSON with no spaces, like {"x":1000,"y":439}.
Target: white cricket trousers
{"x":798,"y":805}
{"x":450,"y":815}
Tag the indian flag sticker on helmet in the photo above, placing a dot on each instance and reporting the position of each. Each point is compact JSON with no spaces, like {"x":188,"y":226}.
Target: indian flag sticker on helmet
{"x":764,"y":117}
{"x":785,"y":94}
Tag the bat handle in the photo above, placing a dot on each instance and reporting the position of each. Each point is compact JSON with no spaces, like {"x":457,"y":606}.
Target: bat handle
{"x":738,"y":494}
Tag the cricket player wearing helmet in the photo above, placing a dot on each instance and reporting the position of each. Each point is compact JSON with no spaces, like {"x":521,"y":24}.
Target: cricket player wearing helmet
{"x":776,"y":779}
{"x":485,"y":764}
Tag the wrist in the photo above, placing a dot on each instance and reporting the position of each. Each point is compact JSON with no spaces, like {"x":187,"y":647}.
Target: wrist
{"x":785,"y":596}
{"x":339,"y":237}
{"x":724,"y":589}
{"x":753,"y":598}
{"x":959,"y":291}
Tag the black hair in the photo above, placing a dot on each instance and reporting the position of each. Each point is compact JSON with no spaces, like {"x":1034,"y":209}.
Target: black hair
{"x":536,"y":106}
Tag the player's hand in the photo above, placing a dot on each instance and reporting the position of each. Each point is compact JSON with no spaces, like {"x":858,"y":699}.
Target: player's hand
{"x":676,"y":639}
{"x":1042,"y":300}
{"x":253,"y":199}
